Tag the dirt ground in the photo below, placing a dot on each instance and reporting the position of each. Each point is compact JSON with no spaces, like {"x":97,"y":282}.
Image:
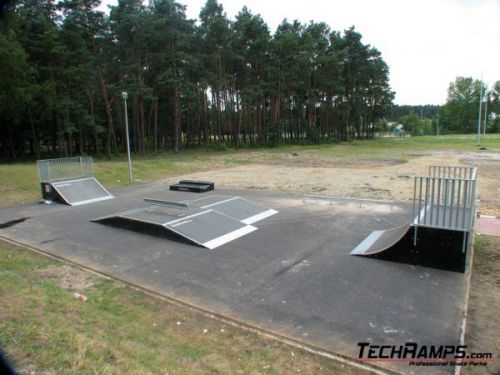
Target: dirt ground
{"x":67,"y":277}
{"x":390,"y":179}
{"x":483,"y":323}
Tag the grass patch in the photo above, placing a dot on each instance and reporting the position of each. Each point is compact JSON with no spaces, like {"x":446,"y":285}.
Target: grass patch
{"x":478,"y":244}
{"x":483,"y":320}
{"x":400,"y":147}
{"x":120,"y":330}
{"x":19,"y":181}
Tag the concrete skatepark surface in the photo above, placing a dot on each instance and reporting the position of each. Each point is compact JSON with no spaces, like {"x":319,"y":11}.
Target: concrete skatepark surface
{"x":293,"y":276}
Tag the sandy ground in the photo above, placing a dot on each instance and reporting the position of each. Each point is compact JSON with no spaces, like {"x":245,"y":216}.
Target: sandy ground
{"x":68,"y":277}
{"x":390,"y":179}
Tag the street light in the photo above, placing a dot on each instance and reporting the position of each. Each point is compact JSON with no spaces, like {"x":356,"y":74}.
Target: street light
{"x":125,"y":96}
{"x":487,"y":99}
{"x":479,"y":112}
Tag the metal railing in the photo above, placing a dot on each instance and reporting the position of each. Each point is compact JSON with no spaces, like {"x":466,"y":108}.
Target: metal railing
{"x":445,"y":199}
{"x":360,"y":201}
{"x":466,"y":173}
{"x":51,"y":170}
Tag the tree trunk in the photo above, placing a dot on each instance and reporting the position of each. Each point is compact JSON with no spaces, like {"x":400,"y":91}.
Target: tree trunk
{"x":155,"y":125}
{"x":102,"y":86}
{"x":11,"y":144}
{"x":177,"y":118}
{"x":60,"y":140}
{"x":177,"y":110}
{"x":143,"y":132}
{"x":135,"y":124}
{"x":33,"y":135}
{"x":104,"y":93}
{"x":69,"y":146}
{"x":94,"y":130}
{"x":205,"y":122}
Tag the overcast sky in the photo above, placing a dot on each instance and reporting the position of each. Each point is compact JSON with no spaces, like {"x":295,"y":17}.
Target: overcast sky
{"x":426,"y":43}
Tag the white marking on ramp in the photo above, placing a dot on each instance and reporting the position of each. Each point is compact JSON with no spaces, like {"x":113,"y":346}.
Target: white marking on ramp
{"x":181,"y":223}
{"x":187,"y":217}
{"x":367,"y":242}
{"x":92,"y":200}
{"x":216,"y":203}
{"x":216,"y":242}
{"x":258,"y":217}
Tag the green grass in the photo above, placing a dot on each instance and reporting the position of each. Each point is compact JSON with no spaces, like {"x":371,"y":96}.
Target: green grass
{"x":19,"y":181}
{"x":397,"y":147}
{"x":478,"y":244}
{"x":120,"y":330}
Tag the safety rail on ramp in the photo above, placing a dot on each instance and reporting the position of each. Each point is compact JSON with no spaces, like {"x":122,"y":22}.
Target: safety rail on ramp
{"x":71,"y":181}
{"x":444,"y":206}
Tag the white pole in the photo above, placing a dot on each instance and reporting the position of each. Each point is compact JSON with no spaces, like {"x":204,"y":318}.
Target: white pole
{"x":124,"y":96}
{"x":480,"y":112}
{"x":485,"y":113}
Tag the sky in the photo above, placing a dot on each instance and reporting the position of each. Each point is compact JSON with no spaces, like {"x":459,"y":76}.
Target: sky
{"x":426,"y":43}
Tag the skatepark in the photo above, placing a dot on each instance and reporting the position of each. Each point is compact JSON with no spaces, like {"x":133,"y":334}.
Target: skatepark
{"x":285,"y":263}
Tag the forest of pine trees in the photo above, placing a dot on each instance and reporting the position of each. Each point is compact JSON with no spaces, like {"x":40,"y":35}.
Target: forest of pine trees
{"x":208,"y":83}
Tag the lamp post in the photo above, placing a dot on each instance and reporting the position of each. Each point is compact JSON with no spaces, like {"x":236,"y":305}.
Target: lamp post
{"x":479,"y":114}
{"x":125,"y":96}
{"x":487,"y":98}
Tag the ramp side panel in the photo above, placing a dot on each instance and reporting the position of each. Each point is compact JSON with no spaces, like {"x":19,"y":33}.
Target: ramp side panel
{"x":228,"y":237}
{"x":81,"y":191}
{"x":381,"y":240}
{"x":144,"y":227}
{"x":209,"y":228}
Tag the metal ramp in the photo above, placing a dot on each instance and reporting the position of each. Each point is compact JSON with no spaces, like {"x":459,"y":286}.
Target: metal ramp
{"x":439,"y":235}
{"x":208,"y":228}
{"x":381,"y":240}
{"x":241,"y":209}
{"x":71,"y":181}
{"x":81,"y":191}
{"x":210,"y":222}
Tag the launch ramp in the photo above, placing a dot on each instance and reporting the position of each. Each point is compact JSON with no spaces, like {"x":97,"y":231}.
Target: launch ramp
{"x":71,"y":181}
{"x":208,"y":222}
{"x":81,"y":191}
{"x":381,"y":240}
{"x":241,"y":209}
{"x":439,"y":235}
